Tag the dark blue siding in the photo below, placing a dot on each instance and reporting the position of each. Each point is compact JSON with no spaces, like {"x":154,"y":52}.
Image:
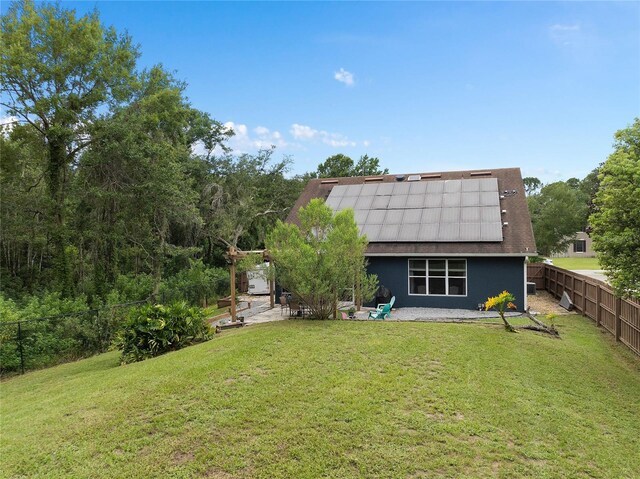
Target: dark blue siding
{"x":485,"y":277}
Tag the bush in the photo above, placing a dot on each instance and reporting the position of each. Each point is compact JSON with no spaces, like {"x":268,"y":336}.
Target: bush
{"x":197,"y":285}
{"x":152,"y":330}
{"x":70,"y":332}
{"x":129,"y":288}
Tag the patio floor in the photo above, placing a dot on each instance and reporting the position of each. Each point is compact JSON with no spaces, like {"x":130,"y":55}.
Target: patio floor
{"x":261,"y":314}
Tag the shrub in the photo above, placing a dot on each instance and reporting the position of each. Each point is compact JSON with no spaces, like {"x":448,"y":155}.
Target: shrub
{"x":129,"y":288}
{"x":197,"y":285}
{"x":69,"y":332}
{"x":152,"y":330}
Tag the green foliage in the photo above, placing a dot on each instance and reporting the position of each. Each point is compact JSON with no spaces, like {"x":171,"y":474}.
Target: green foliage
{"x":152,"y":330}
{"x":71,"y":331}
{"x":196,"y":285}
{"x":243,"y":197}
{"x":616,"y":219}
{"x":322,"y":258}
{"x":536,"y":259}
{"x":557,"y":213}
{"x":129,"y":288}
{"x":57,"y":72}
{"x":340,"y":165}
{"x":532,"y":185}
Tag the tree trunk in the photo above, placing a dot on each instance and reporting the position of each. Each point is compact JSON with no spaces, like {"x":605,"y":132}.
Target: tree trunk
{"x":55,"y":183}
{"x":507,"y":324}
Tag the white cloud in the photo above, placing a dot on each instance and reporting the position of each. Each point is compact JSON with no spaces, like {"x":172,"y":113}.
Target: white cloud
{"x":366,"y":143}
{"x":345,"y":77}
{"x":261,"y":130}
{"x":8,"y":122}
{"x":303,"y":132}
{"x":558,"y":27}
{"x":565,"y":34}
{"x":244,"y":142}
{"x":306,"y":133}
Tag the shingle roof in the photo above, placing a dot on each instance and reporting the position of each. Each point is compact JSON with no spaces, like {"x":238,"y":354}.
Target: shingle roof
{"x":517,"y":235}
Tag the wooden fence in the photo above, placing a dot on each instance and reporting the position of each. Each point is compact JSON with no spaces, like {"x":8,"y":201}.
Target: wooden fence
{"x":593,"y":299}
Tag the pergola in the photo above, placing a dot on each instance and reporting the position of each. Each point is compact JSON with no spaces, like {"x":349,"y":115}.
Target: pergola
{"x":233,"y":255}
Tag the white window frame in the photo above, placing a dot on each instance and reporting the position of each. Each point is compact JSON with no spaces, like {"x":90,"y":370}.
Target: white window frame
{"x":446,"y":277}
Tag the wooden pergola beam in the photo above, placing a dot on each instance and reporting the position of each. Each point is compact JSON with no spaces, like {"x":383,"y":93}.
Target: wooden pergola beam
{"x":233,"y":255}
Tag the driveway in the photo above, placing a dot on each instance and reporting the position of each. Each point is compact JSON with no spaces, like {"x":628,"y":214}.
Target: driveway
{"x":593,"y":273}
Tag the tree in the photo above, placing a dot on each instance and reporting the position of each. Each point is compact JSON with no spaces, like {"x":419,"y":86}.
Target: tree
{"x":335,"y":166}
{"x":242,"y":197}
{"x":322,"y":258}
{"x":368,"y":167}
{"x":532,"y":185}
{"x":23,"y":209}
{"x":57,"y":72}
{"x":557,"y":213}
{"x":133,"y":186}
{"x":589,"y":187}
{"x":338,"y":166}
{"x":616,"y":219}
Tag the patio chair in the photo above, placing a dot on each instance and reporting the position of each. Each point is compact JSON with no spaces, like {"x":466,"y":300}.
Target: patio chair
{"x":294,"y":307}
{"x":383,"y":310}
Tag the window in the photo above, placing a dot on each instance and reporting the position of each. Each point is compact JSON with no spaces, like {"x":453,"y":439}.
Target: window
{"x":580,"y":246}
{"x":438,"y":277}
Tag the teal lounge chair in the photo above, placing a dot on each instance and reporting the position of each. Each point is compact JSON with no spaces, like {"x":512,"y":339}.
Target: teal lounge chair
{"x":383,"y":311}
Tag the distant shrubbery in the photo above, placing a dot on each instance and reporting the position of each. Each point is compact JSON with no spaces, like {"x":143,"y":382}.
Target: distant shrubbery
{"x":152,"y":330}
{"x":198,"y":285}
{"x":75,"y":328}
{"x":71,"y":331}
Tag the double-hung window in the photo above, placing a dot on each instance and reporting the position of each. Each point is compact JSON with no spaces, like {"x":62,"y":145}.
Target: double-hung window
{"x":580,"y":246}
{"x":438,"y":277}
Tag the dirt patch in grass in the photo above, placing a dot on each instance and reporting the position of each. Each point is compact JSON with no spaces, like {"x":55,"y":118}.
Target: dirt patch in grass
{"x":544,"y":303}
{"x":181,"y":457}
{"x":216,"y":473}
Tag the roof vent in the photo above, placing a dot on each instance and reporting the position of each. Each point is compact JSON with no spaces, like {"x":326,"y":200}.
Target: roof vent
{"x":399,"y":177}
{"x":373,"y":178}
{"x":328,"y":182}
{"x":480,"y":173}
{"x":431,"y":175}
{"x":414,"y":178}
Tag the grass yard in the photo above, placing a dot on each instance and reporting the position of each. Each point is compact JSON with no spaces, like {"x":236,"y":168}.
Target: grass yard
{"x":576,"y":263}
{"x":308,"y":399}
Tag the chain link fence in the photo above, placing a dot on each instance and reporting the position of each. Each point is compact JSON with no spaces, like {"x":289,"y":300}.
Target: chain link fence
{"x":43,"y":342}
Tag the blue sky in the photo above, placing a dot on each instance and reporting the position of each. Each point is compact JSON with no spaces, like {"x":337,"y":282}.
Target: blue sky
{"x":422,"y":86}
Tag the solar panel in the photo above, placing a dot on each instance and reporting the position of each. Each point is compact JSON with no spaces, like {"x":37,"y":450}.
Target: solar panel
{"x":424,"y":211}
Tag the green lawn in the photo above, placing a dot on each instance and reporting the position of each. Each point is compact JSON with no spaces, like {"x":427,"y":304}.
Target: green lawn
{"x":308,"y":399}
{"x":577,"y":263}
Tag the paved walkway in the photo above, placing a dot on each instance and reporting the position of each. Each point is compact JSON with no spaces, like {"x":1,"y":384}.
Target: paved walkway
{"x":593,"y":273}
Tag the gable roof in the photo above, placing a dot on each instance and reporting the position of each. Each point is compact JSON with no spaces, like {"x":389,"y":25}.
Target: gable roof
{"x":445,"y":213}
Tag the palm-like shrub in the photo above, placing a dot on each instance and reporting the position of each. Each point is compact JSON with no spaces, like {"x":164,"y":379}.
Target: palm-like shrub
{"x":152,"y":330}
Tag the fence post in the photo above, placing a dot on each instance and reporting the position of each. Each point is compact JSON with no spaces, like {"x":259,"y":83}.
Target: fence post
{"x":20,"y":346}
{"x":617,"y":317}
{"x":584,"y":297}
{"x":598,"y":299}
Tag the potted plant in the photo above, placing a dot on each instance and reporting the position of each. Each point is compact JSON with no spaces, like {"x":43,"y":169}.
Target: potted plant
{"x":352,"y":312}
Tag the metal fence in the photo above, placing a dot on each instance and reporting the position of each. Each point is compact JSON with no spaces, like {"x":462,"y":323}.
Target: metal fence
{"x":593,"y":299}
{"x":42,"y":342}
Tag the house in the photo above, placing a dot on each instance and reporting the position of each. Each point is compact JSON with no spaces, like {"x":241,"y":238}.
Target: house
{"x":442,"y":240}
{"x":581,"y":247}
